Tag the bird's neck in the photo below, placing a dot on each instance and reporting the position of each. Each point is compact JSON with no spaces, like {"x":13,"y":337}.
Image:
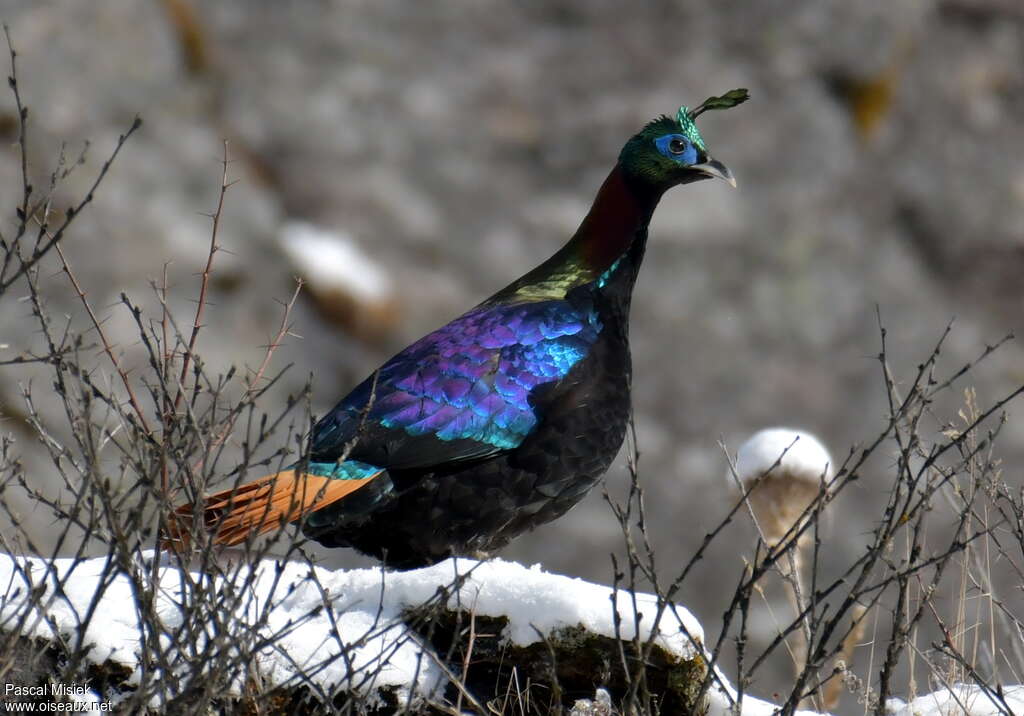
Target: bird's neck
{"x":613,"y":232}
{"x":619,"y":217}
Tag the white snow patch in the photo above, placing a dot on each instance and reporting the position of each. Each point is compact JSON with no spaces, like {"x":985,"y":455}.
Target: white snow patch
{"x":803,"y":455}
{"x":332,"y":261}
{"x":316,"y":614}
{"x":960,"y":700}
{"x":722,"y":701}
{"x":362,"y":617}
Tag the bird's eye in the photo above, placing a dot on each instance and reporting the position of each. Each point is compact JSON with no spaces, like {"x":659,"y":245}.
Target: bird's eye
{"x":677,"y":148}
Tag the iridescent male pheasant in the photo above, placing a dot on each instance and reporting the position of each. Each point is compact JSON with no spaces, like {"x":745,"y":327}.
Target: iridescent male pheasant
{"x":500,"y":420}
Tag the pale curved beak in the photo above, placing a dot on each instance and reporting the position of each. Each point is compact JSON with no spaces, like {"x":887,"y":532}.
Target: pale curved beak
{"x":714,"y":168}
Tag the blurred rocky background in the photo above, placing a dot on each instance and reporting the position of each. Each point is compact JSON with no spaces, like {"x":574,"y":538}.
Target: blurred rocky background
{"x":454,"y":145}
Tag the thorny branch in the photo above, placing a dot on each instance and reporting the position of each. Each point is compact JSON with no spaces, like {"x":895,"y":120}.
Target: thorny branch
{"x":197,"y":323}
{"x":15,"y":263}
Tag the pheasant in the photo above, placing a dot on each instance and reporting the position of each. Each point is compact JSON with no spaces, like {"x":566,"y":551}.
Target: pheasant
{"x":499,"y":421}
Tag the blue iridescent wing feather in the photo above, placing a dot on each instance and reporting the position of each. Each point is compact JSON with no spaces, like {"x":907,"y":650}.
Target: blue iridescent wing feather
{"x":466,"y":391}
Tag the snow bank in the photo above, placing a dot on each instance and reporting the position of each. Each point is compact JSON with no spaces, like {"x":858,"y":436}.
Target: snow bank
{"x":363,"y":617}
{"x":314,"y":615}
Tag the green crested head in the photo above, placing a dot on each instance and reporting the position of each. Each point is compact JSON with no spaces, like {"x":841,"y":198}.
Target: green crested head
{"x":668,"y":151}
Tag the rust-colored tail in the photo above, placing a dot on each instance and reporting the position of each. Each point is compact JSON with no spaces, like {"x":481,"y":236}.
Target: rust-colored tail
{"x":263,"y":505}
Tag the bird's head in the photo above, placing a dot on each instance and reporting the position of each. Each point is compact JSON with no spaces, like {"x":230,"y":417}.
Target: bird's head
{"x":670,"y":151}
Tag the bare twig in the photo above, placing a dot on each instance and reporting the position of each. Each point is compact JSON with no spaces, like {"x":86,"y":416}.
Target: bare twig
{"x":46,"y":240}
{"x":107,"y":348}
{"x":205,"y":282}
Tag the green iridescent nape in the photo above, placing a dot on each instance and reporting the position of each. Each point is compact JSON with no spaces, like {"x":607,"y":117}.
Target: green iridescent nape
{"x":685,"y":117}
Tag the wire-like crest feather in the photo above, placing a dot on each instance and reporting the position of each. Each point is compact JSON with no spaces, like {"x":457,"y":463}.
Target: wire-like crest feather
{"x":685,"y":117}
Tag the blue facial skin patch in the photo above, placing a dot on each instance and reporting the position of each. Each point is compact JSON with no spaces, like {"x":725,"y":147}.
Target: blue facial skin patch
{"x":687,"y":157}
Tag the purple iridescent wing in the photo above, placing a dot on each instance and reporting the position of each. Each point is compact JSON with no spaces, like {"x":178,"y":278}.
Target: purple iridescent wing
{"x":464,"y":391}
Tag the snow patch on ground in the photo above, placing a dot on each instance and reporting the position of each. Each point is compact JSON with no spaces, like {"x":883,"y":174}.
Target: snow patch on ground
{"x":332,"y":260}
{"x":315,"y":614}
{"x":362,"y":616}
{"x":960,"y":700}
